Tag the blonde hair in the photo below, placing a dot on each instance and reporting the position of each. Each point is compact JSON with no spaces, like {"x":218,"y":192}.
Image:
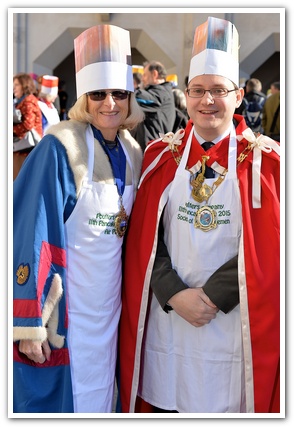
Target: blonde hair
{"x":80,"y":112}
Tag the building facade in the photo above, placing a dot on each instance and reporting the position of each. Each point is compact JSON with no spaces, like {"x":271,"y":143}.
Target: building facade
{"x":43,"y":39}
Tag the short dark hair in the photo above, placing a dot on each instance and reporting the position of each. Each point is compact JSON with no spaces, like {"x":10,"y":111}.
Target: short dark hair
{"x":137,"y":77}
{"x":158,"y":66}
{"x":276,"y":85}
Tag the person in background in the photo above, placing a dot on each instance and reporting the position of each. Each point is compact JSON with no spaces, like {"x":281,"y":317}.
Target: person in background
{"x":34,"y":76}
{"x":271,"y":113}
{"x":63,"y":98}
{"x":200,"y":318}
{"x":137,"y":77}
{"x":274,"y":88}
{"x":47,"y":95}
{"x":72,"y":200}
{"x":39,"y":83}
{"x":29,"y":114}
{"x":240,"y":109}
{"x":173,"y":79}
{"x":156,"y":99}
{"x":56,"y":102}
{"x":252,"y":105}
{"x":181,"y":110}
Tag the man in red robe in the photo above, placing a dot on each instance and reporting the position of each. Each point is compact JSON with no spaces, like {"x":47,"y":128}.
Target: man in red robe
{"x":200,"y":315}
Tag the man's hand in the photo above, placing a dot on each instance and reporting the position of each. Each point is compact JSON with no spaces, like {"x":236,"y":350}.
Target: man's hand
{"x":35,"y":350}
{"x":194,"y":306}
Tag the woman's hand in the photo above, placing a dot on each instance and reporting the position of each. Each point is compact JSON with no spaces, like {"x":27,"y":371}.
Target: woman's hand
{"x":35,"y":350}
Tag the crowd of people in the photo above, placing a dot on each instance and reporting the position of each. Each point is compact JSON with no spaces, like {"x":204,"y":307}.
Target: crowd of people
{"x":36,"y":106}
{"x":145,"y":258}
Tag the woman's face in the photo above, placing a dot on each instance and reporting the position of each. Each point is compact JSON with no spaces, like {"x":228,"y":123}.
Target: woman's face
{"x":17,"y":89}
{"x":109,"y":113}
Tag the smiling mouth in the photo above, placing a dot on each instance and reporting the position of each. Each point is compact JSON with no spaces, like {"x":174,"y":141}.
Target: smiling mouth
{"x":113,"y":113}
{"x":207,"y":112}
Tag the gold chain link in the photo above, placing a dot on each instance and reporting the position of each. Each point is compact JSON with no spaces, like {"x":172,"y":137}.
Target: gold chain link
{"x":200,"y":191}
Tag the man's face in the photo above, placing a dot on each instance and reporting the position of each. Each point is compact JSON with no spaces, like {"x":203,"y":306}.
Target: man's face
{"x":148,"y":77}
{"x":212,"y":116}
{"x":274,"y":89}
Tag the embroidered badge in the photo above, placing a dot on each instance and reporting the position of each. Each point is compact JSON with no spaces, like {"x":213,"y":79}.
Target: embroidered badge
{"x":22,"y":274}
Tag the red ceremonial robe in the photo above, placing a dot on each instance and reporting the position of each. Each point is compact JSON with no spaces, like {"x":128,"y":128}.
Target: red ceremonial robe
{"x":259,"y":272}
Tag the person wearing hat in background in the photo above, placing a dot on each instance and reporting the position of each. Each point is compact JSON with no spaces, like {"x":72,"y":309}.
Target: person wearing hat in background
{"x":27,"y":116}
{"x":56,"y":102}
{"x":47,"y":95}
{"x":72,"y":200}
{"x":200,"y":306}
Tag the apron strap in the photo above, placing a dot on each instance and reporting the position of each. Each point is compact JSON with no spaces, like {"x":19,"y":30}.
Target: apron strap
{"x":90,"y":145}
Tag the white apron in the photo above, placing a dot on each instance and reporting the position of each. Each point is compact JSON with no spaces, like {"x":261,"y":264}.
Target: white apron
{"x":51,"y":115}
{"x":94,"y":289}
{"x":186,"y":368}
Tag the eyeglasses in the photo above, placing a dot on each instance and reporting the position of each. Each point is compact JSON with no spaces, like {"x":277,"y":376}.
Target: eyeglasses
{"x":100,"y":95}
{"x":217,"y":92}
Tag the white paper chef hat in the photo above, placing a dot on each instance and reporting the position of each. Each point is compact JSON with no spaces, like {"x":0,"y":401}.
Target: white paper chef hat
{"x":49,"y":85}
{"x":216,"y":50}
{"x":103,"y":59}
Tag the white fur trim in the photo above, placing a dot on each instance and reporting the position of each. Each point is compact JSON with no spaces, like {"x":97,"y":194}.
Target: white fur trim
{"x":53,"y":297}
{"x":29,"y":333}
{"x":50,"y":312}
{"x":72,"y":134}
{"x":55,"y":339}
{"x":49,"y":319}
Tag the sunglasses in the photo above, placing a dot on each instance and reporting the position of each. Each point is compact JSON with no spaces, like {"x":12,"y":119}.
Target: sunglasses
{"x":100,"y":95}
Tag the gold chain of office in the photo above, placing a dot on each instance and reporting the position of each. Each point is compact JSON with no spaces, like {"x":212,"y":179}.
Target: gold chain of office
{"x":200,"y":191}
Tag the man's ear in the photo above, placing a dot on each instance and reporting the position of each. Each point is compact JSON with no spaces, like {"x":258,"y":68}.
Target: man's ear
{"x":240,"y":96}
{"x":155,"y":75}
